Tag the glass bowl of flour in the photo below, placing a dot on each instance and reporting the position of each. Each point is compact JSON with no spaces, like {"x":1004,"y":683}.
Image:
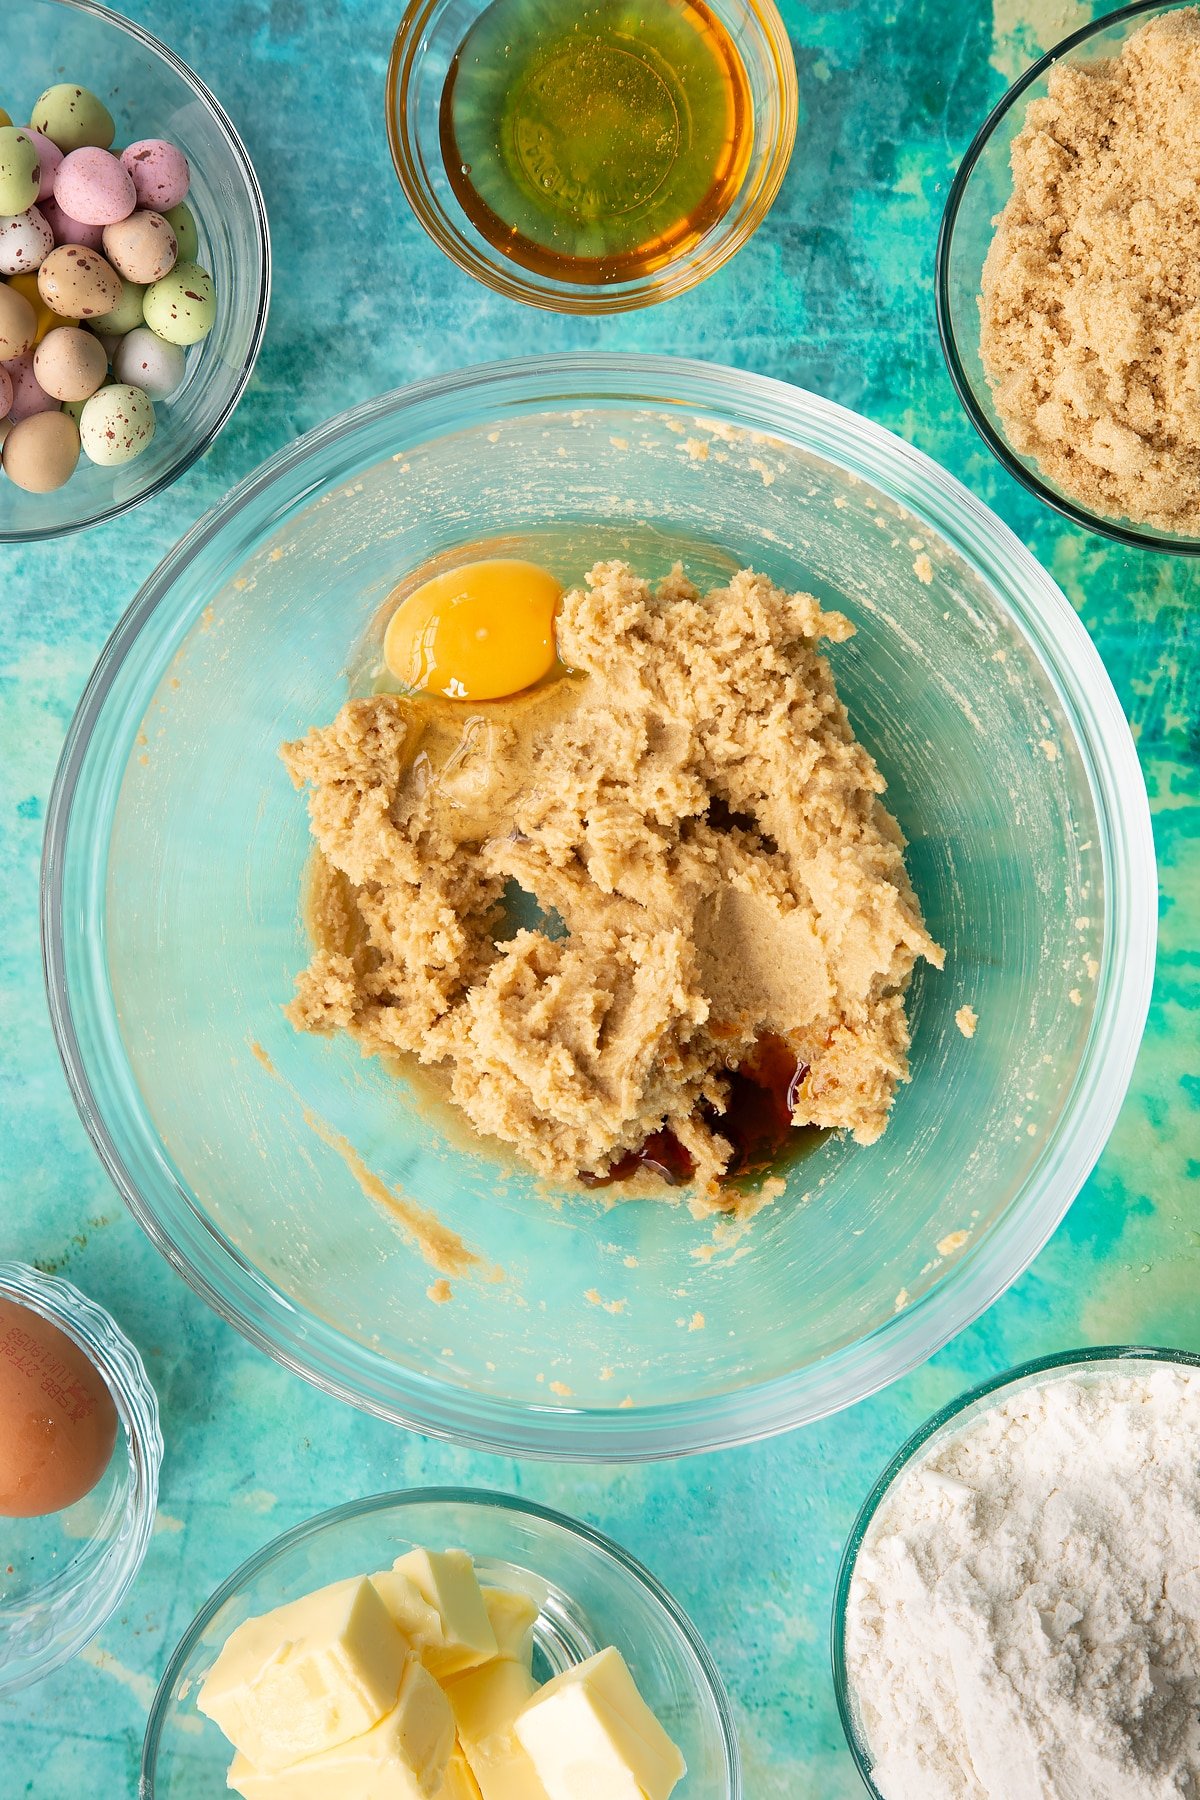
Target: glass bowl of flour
{"x":1018,"y":1607}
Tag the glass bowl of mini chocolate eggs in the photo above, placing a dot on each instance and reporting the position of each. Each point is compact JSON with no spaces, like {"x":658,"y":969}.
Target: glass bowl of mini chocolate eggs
{"x":165,"y":319}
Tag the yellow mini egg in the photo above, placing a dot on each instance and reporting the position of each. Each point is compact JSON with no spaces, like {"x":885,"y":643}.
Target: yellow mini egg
{"x":478,"y":632}
{"x":45,"y":316}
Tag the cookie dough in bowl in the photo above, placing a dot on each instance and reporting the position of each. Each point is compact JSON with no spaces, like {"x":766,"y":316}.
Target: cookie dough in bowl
{"x":694,"y":813}
{"x":340,"y":1207}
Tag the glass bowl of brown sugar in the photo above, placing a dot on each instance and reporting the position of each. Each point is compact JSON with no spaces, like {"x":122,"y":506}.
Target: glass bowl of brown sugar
{"x":1063,"y":277}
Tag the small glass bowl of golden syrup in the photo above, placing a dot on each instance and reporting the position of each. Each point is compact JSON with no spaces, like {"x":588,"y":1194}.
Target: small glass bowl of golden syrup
{"x":591,"y":156}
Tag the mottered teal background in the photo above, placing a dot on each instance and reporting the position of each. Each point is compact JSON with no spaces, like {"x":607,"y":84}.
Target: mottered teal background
{"x":835,"y":293}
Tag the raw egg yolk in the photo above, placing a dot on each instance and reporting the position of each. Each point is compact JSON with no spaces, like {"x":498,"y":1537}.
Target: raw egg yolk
{"x":478,"y":632}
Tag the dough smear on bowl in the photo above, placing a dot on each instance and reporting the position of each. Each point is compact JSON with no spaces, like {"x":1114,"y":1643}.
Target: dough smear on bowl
{"x":707,"y":846}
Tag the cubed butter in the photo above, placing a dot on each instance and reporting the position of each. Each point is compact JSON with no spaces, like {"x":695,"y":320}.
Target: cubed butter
{"x":459,"y":1783}
{"x":412,"y":1614}
{"x":404,"y":1757}
{"x":485,"y":1703}
{"x":512,"y":1616}
{"x":591,"y":1736}
{"x":308,"y":1676}
{"x":445,"y":1579}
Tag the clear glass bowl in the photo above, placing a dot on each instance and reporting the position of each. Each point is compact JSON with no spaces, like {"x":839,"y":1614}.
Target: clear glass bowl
{"x":589,"y":1592}
{"x":978,"y":193}
{"x":175,"y":857}
{"x":1105,"y":1360}
{"x":61,"y":1576}
{"x":430,"y":33}
{"x":150,"y":93}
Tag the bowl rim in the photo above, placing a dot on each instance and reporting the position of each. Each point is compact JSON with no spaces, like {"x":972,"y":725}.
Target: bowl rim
{"x":307,"y":1344}
{"x":33,"y":534}
{"x":1132,"y":535}
{"x":485,"y":1499}
{"x":590,"y":299}
{"x":93,"y":1328}
{"x":1024,"y":1373}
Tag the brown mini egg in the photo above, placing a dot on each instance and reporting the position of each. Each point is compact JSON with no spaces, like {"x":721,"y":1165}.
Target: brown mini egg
{"x":142,"y":248}
{"x":78,"y":283}
{"x":70,"y":363}
{"x":58,"y":1422}
{"x":40,"y":454}
{"x":18,"y":323}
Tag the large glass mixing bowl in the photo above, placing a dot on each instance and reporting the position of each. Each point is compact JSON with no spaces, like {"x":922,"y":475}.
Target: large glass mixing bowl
{"x":267,"y":1165}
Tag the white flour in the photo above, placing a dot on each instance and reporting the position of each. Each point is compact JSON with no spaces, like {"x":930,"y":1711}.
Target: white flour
{"x":1024,"y":1619}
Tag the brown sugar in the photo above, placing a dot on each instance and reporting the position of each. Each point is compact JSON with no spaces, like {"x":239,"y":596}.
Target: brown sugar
{"x":1091,"y":289}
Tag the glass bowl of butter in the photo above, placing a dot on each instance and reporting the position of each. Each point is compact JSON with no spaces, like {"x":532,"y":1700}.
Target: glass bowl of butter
{"x":447,"y":1643}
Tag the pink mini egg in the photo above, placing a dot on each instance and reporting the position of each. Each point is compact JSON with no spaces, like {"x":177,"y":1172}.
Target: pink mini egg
{"x":160,"y":173}
{"x":6,"y":392}
{"x":28,"y":394}
{"x":26,"y":240}
{"x":71,"y":231}
{"x":93,"y":186}
{"x":49,"y":157}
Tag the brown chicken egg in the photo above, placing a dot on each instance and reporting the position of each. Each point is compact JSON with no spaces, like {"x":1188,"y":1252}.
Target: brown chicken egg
{"x":58,"y":1422}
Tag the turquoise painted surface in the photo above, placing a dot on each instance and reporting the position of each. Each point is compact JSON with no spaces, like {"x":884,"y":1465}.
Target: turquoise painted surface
{"x":836,"y":294}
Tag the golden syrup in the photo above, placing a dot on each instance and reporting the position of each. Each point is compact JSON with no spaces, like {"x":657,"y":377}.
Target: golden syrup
{"x":596,"y":140}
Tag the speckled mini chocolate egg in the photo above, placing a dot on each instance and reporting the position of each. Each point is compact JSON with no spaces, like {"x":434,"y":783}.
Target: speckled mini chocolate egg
{"x":78,"y":283}
{"x":70,"y":363}
{"x":26,"y":240}
{"x":20,"y":171}
{"x":6,"y":391}
{"x":18,"y":323}
{"x":68,"y":230}
{"x":160,"y":173}
{"x":49,"y":158}
{"x":183,"y":223}
{"x":93,"y":186}
{"x":40,"y":453}
{"x":182,"y":308}
{"x":72,"y":116}
{"x":44,"y":317}
{"x":116,"y":425}
{"x":125,"y":315}
{"x":5,"y":118}
{"x":147,"y":361}
{"x":142,"y":248}
{"x":29,"y":396}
